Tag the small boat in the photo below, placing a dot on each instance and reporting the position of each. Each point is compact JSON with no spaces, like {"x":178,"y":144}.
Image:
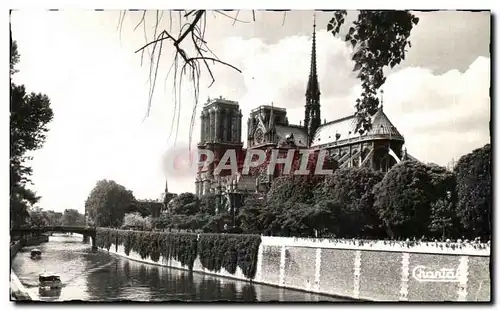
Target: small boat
{"x":36,"y":254}
{"x":50,"y":280}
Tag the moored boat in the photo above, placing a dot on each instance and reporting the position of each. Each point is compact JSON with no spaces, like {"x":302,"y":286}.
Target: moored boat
{"x":49,"y":280}
{"x":36,"y":254}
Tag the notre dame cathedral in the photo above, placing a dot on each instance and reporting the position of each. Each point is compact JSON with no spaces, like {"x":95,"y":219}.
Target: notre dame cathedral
{"x":269,"y":128}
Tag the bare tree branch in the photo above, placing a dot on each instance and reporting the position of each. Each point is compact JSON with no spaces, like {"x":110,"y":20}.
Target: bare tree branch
{"x":182,"y":64}
{"x":120,"y":24}
{"x":235,"y":19}
{"x":141,"y":21}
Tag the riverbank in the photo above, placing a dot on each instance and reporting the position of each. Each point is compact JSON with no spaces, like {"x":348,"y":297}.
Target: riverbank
{"x":360,"y":270}
{"x":17,"y":290}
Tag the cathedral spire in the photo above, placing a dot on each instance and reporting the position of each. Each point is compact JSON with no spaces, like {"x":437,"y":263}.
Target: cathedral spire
{"x":312,"y":118}
{"x":313,"y":84}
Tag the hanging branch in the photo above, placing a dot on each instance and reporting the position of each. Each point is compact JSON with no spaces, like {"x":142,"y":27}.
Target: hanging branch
{"x":191,"y":32}
{"x":379,"y":39}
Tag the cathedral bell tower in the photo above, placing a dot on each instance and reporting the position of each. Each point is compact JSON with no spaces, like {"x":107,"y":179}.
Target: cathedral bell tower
{"x":220,"y":131}
{"x":312,"y":119}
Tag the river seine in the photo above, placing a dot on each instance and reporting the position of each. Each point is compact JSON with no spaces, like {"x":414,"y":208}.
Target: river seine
{"x":99,"y":276}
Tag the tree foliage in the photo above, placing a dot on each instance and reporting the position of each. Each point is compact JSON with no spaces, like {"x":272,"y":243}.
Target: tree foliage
{"x":442,"y":218}
{"x":108,"y":202}
{"x":37,"y":218}
{"x":208,"y":203}
{"x":185,"y":204}
{"x":474,"y":191}
{"x":42,"y":218}
{"x":379,"y":39}
{"x":136,"y":221}
{"x":352,"y":189}
{"x":30,"y":114}
{"x":250,"y":212}
{"x":293,"y":188}
{"x":405,"y":196}
{"x":71,"y":217}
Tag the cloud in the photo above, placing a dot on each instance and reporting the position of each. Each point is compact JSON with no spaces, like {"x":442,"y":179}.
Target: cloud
{"x":447,"y":40}
{"x":442,"y":116}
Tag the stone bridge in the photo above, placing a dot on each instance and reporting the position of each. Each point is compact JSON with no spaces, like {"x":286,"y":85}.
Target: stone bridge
{"x":87,"y":232}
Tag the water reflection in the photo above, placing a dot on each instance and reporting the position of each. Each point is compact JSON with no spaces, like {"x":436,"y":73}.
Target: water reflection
{"x":49,"y":294}
{"x":102,"y":277}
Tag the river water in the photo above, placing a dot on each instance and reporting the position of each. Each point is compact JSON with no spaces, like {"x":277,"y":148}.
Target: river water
{"x":99,"y":276}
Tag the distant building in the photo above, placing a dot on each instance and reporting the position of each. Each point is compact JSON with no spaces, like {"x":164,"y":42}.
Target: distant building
{"x":268,"y":128}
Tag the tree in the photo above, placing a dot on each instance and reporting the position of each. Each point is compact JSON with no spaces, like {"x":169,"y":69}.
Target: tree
{"x":108,"y":202}
{"x":216,"y":223}
{"x":185,"y":204}
{"x":53,"y":218}
{"x":379,"y":39}
{"x":442,"y":218}
{"x":248,"y":214}
{"x":404,"y":197}
{"x":199,"y":221}
{"x":71,"y":217}
{"x":147,"y":208}
{"x":293,"y":188}
{"x":136,"y":221}
{"x":301,"y":220}
{"x":208,"y":203}
{"x":325,"y":218}
{"x":37,"y":218}
{"x":29,"y":116}
{"x":443,"y":215}
{"x":352,"y":189}
{"x":473,"y":173}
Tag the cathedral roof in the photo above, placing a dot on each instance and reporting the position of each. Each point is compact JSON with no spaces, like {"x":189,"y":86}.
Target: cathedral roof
{"x":345,"y":128}
{"x":383,"y":126}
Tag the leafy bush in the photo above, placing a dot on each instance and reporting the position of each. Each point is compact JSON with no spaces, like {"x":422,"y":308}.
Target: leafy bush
{"x":215,"y":250}
{"x":229,"y":251}
{"x":178,"y":246}
{"x":405,"y":197}
{"x":136,"y":221}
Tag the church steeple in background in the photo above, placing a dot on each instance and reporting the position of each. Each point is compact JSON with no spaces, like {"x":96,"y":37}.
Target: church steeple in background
{"x":312,"y":118}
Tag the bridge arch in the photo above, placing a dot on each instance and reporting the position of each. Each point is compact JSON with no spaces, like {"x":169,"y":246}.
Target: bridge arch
{"x":88,"y":232}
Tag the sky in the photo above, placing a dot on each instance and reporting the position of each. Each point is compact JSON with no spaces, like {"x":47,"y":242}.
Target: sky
{"x":438,"y":97}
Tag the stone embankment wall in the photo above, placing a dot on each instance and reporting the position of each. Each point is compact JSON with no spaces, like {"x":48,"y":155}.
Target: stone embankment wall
{"x":36,"y":240}
{"x":369,"y":270}
{"x":14,"y":248}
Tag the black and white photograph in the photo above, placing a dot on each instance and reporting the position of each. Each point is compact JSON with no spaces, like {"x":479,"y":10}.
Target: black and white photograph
{"x":216,"y":155}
